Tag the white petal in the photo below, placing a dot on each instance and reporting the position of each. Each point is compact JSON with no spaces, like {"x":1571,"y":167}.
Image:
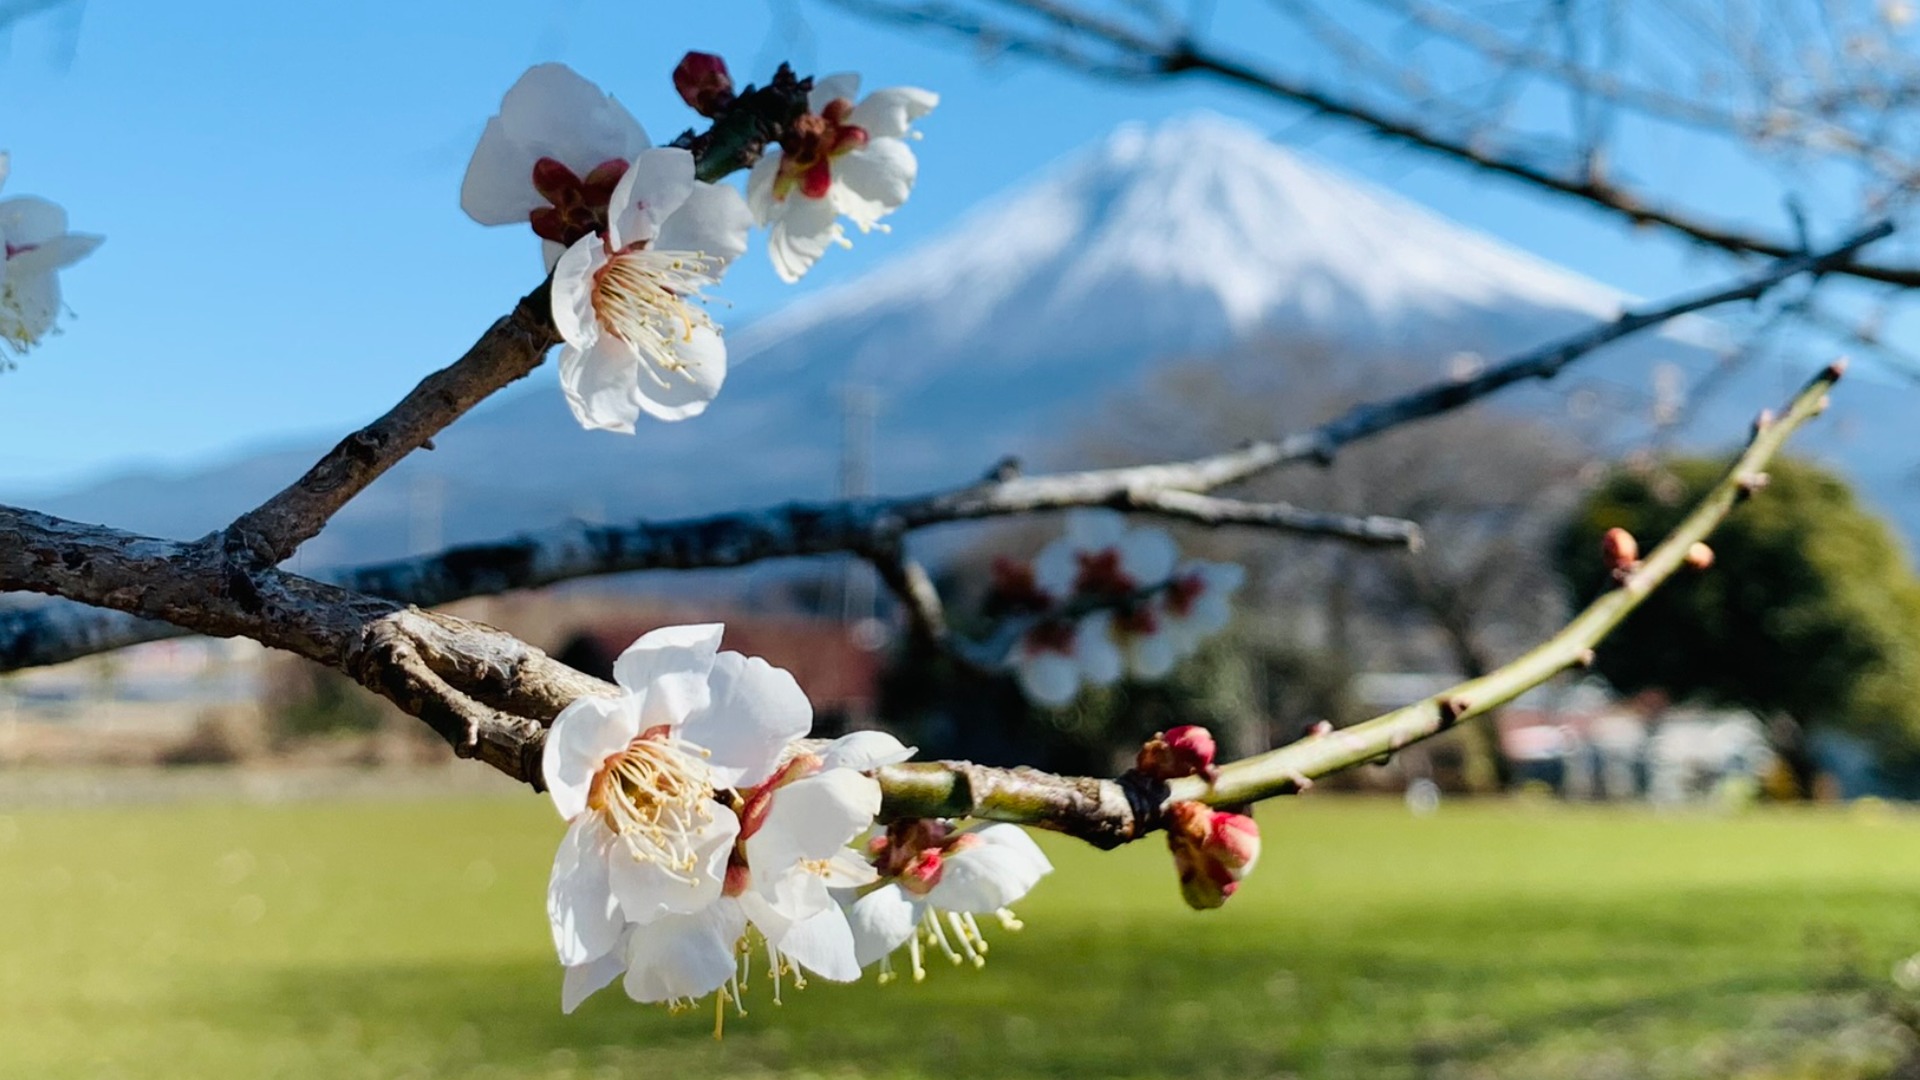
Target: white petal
{"x":550,"y":252}
{"x":33,"y":299}
{"x":601,"y":385}
{"x":1057,"y":567}
{"x":683,"y":957}
{"x":846,"y":870}
{"x":651,"y":189}
{"x":671,"y":651}
{"x":754,"y":712}
{"x":882,"y":921}
{"x":646,"y":892}
{"x":888,"y":113}
{"x":826,"y":91}
{"x":6,"y":167}
{"x":864,"y":751}
{"x":549,"y":112}
{"x":714,"y":221}
{"x":686,"y":392}
{"x":498,"y":188}
{"x":572,"y":292}
{"x":51,"y":255}
{"x":873,"y":181}
{"x":822,"y":944}
{"x":760,"y":202}
{"x":1147,"y":555}
{"x":582,"y":981}
{"x":1100,"y":661}
{"x":1152,"y":656}
{"x":1096,"y":528}
{"x":28,"y":220}
{"x":583,"y":736}
{"x":812,"y":819}
{"x":1000,"y":867}
{"x":580,"y":906}
{"x":1049,"y":678}
{"x":801,"y":232}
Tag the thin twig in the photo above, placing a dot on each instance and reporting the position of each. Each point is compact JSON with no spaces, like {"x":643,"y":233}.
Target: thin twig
{"x":1173,"y":56}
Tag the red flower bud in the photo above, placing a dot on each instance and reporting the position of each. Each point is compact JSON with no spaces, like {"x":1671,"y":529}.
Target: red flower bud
{"x":1619,"y":550}
{"x":1699,"y":556}
{"x":703,"y":83}
{"x":1186,"y":750}
{"x":1212,"y":851}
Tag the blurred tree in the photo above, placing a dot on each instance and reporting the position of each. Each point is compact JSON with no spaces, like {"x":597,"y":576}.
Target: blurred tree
{"x":1810,"y":616}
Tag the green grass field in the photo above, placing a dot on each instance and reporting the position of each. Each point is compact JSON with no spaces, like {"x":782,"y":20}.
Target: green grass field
{"x":408,"y":940}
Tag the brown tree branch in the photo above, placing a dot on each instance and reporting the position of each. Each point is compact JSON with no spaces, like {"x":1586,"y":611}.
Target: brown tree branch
{"x":48,"y":634}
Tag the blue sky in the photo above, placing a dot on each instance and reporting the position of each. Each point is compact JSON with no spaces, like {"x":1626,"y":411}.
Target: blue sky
{"x":278,"y":186}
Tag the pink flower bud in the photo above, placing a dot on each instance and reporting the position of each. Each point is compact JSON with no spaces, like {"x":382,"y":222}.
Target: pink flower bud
{"x":923,"y":873}
{"x":703,"y":83}
{"x":1186,"y":750}
{"x":1212,"y":851}
{"x":1619,"y":550}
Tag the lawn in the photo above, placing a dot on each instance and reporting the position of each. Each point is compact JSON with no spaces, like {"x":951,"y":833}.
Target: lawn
{"x":407,"y":939}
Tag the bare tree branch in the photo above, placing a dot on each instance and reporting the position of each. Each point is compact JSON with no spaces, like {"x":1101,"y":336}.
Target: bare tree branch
{"x":510,"y":349}
{"x":1139,"y":55}
{"x":50,"y":634}
{"x":1107,"y":813}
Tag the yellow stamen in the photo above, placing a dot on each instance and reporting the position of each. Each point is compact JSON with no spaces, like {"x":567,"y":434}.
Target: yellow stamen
{"x":657,"y":797}
{"x":643,"y":297}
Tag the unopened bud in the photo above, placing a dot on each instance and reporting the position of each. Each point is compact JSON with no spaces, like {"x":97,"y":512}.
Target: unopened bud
{"x":1699,"y":556}
{"x":703,"y":83}
{"x":1212,"y":851}
{"x":1186,"y":750}
{"x":923,"y":873}
{"x":1619,"y":550}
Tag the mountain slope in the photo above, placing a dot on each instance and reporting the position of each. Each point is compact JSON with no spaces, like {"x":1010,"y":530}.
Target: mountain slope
{"x":1156,"y":243}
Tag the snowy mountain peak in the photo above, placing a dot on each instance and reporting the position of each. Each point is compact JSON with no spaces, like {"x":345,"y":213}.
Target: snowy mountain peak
{"x":1190,"y":234}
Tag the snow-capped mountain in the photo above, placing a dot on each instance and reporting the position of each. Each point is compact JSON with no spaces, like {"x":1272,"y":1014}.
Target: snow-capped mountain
{"x":1163,"y":242}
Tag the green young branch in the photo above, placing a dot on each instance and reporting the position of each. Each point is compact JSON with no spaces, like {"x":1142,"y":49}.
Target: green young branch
{"x":1108,"y":813}
{"x":1288,"y":768}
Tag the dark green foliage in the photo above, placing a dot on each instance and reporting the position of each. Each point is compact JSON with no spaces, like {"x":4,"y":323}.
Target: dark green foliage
{"x":1810,"y":611}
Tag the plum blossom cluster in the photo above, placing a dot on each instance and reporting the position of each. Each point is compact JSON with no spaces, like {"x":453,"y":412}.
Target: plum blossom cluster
{"x":635,"y":238}
{"x":1105,"y":600}
{"x":701,"y":831}
{"x":34,"y":247}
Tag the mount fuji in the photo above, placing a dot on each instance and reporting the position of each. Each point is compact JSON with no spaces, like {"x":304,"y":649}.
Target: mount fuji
{"x":1158,"y":243}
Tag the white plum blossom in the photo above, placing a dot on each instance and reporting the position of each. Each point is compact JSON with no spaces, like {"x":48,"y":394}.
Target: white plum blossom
{"x":839,"y":160}
{"x":693,"y":817}
{"x":551,"y":157}
{"x":36,"y":246}
{"x":637,"y":778}
{"x":627,"y":304}
{"x":1194,"y":605}
{"x":937,"y":882}
{"x":1138,"y":613}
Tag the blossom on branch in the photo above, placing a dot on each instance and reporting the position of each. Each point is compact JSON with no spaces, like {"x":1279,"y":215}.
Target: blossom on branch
{"x":551,"y":157}
{"x":936,"y":882}
{"x":839,"y":160}
{"x":1105,"y":600}
{"x":627,"y":304}
{"x":694,"y":817}
{"x":36,"y":246}
{"x":638,"y":777}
